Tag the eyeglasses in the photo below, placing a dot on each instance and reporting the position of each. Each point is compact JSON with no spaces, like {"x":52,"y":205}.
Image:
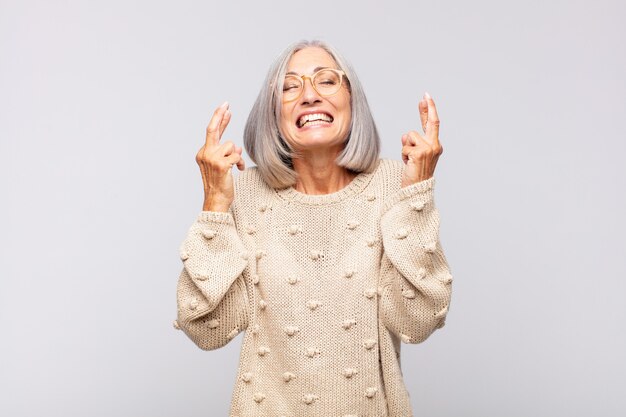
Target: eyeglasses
{"x":326,"y":82}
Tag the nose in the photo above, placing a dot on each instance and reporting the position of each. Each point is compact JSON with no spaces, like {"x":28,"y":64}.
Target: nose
{"x":309,"y":93}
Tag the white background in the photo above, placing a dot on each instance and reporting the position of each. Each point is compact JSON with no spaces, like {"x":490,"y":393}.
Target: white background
{"x":103,"y":106}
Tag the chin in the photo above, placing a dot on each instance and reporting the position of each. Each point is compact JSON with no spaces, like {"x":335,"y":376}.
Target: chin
{"x":316,"y":141}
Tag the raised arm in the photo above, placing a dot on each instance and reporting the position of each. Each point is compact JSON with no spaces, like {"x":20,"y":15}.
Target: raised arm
{"x":415,"y":277}
{"x":212,"y":298}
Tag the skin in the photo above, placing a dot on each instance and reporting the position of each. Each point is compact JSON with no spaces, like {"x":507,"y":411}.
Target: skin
{"x":317,"y":146}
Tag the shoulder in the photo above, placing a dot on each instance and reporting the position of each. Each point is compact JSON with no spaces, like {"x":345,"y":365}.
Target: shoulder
{"x":389,"y":167}
{"x":388,"y":175}
{"x":249,"y":178}
{"x":251,"y":189}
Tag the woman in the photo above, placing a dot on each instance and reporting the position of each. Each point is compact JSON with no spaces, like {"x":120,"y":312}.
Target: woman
{"x":326,"y":256}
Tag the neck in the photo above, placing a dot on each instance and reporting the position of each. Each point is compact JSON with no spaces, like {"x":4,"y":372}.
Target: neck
{"x":319,"y":174}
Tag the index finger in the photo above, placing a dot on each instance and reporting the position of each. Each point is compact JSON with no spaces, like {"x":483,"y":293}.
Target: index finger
{"x":432,"y":124}
{"x":214,"y":129}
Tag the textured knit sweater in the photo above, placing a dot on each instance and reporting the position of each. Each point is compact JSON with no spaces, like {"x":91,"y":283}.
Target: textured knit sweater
{"x":325,"y":287}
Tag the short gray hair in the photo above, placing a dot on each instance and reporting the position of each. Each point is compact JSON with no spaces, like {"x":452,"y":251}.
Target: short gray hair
{"x":271,"y":153}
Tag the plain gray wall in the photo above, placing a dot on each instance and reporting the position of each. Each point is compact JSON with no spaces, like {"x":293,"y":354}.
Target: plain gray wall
{"x":103,"y":106}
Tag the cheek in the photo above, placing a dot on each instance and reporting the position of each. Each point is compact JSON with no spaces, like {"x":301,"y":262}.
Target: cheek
{"x":348,"y":116}
{"x":285,"y":119}
{"x":347,"y":110}
{"x":284,"y":124}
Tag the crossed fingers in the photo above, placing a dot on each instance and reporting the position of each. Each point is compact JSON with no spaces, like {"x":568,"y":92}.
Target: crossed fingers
{"x":430,"y":127}
{"x":228,"y":151}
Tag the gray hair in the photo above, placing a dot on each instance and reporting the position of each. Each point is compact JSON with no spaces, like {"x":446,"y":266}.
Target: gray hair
{"x":271,"y":153}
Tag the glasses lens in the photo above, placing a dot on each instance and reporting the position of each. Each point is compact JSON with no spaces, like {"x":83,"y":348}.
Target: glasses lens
{"x":292,"y":86}
{"x":327,"y":82}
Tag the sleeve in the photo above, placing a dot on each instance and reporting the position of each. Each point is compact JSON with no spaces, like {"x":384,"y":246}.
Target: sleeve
{"x":415,"y":277}
{"x":211,"y":294}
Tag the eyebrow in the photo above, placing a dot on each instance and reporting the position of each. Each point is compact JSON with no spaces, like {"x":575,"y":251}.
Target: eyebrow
{"x":314,"y":71}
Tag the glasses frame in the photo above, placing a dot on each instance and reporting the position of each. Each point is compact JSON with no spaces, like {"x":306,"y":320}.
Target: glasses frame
{"x":311,"y":77}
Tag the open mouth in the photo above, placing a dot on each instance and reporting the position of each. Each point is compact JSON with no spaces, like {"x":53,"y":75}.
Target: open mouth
{"x":314,"y":119}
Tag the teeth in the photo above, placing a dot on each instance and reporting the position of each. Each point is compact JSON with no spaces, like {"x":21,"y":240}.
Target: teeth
{"x":314,"y":117}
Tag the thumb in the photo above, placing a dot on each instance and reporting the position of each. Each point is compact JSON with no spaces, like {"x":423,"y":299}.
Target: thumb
{"x":241,"y":164}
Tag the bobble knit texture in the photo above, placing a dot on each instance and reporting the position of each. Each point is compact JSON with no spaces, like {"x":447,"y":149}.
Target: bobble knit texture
{"x":325,"y":287}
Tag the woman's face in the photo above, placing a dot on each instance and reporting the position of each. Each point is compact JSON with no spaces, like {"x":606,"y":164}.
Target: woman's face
{"x":304,"y":132}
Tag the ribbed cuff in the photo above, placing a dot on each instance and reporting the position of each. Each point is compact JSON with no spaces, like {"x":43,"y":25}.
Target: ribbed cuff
{"x":216,"y":217}
{"x":422,"y":187}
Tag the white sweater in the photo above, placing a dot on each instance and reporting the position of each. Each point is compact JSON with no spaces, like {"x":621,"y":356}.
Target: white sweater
{"x":325,"y":288}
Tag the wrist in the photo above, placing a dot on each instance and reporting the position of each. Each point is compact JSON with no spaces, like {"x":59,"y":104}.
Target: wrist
{"x":212,"y":206}
{"x":216,"y":202}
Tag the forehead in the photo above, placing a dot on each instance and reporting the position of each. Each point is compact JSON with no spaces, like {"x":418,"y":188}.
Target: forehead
{"x":306,"y":60}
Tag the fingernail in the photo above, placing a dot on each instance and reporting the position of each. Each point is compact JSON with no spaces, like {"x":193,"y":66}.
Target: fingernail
{"x":225,"y":105}
{"x":427,"y":95}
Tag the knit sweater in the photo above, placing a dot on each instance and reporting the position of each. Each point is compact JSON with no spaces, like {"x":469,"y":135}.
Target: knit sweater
{"x":325,"y":287}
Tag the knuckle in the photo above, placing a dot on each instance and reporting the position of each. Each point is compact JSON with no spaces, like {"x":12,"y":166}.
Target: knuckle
{"x":421,"y":153}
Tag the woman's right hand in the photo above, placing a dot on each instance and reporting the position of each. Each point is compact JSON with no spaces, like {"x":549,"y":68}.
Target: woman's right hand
{"x":216,"y":160}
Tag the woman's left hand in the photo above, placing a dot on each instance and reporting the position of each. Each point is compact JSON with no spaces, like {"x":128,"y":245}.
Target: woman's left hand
{"x":420,"y":153}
